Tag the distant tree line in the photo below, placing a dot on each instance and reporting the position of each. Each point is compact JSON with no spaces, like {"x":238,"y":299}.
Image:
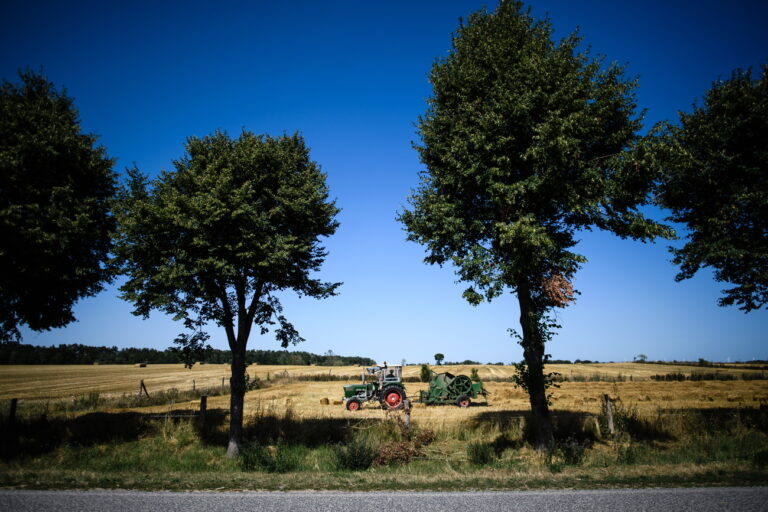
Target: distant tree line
{"x":14,"y":353}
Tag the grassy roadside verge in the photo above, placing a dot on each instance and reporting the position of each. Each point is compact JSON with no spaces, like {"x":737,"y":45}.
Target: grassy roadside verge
{"x":134,"y":450}
{"x":383,"y":480}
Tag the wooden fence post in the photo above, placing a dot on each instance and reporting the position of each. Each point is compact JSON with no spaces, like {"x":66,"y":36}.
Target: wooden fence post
{"x":609,"y":413}
{"x":201,"y":414}
{"x":193,"y":385}
{"x":143,"y":388}
{"x":222,"y":383}
{"x":407,"y":423}
{"x":12,"y":413}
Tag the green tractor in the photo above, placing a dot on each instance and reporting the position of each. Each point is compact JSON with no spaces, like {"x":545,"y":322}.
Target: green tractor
{"x":383,"y":384}
{"x":446,"y":388}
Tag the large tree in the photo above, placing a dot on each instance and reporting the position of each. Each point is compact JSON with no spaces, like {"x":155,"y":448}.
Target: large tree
{"x":715,"y":180}
{"x":236,"y":224}
{"x":525,"y":143}
{"x":56,"y":184}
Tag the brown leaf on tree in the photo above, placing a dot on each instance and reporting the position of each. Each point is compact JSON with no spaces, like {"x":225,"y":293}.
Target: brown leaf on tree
{"x":558,"y":290}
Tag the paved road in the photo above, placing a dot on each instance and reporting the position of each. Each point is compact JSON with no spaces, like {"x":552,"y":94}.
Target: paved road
{"x":742,"y":499}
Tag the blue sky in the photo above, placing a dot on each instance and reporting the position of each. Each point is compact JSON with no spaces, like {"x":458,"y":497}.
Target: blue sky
{"x":352,"y":77}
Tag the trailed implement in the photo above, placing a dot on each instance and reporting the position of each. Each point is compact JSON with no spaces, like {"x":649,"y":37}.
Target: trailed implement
{"x":447,"y":388}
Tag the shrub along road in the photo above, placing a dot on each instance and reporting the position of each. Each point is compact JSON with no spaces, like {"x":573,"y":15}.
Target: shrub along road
{"x":743,"y":499}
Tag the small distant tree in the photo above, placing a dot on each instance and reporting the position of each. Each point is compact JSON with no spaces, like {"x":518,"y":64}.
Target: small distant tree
{"x":439,"y":358}
{"x":220,"y":238}
{"x":641,"y":358}
{"x":714,"y":167}
{"x":425,"y":374}
{"x":56,"y":186}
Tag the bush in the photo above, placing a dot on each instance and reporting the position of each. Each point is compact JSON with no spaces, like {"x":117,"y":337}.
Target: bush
{"x":425,"y":374}
{"x":355,"y":455}
{"x":481,"y":453}
{"x":399,"y":452}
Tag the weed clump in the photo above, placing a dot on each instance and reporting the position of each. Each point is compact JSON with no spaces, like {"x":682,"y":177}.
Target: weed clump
{"x":396,"y":453}
{"x":481,"y":453}
{"x":572,"y":451}
{"x":626,"y":454}
{"x":356,"y":455}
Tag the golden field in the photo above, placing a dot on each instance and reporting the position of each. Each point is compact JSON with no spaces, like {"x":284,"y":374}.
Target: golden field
{"x":667,"y":433}
{"x":48,"y":382}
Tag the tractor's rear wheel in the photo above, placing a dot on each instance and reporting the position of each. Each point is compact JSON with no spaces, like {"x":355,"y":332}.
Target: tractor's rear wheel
{"x":354,"y":404}
{"x":392,"y":397}
{"x":463,"y":401}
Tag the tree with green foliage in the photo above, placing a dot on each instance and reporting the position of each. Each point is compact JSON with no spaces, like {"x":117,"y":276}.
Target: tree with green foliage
{"x":439,"y":358}
{"x":714,"y":178}
{"x":526,"y":142}
{"x":192,"y":348}
{"x":56,"y":185}
{"x":425,"y":374}
{"x":217,"y":240}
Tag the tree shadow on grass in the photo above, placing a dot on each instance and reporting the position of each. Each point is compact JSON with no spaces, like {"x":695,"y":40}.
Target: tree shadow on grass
{"x":664,"y":425}
{"x":268,"y":429}
{"x":39,"y":435}
{"x":35,"y":436}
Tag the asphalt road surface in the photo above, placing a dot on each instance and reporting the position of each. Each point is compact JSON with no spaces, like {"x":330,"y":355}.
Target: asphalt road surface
{"x":742,"y":499}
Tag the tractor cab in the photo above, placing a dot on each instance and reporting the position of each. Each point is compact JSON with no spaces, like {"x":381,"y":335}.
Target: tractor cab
{"x":384,"y":374}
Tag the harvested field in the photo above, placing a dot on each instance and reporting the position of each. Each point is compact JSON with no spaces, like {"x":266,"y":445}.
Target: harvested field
{"x":285,"y":389}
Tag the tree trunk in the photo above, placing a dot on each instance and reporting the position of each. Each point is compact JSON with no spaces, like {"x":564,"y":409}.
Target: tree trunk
{"x":533,"y":352}
{"x":236,"y":400}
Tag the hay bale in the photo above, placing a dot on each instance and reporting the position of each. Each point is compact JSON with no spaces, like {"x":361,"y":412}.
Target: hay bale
{"x":337,"y":402}
{"x":324,"y":401}
{"x":140,"y":365}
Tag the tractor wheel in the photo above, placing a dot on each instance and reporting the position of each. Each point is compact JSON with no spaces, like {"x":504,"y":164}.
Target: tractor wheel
{"x":354,"y":404}
{"x":392,"y":397}
{"x":463,"y":401}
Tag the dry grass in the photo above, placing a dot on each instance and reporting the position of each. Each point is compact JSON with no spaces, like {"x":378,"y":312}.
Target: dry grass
{"x":60,"y":381}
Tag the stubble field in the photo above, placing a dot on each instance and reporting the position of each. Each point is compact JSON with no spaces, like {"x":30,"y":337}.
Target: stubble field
{"x":629,"y":382}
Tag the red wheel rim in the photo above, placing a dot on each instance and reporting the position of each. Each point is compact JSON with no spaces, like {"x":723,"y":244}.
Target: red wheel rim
{"x":353,"y":406}
{"x":464,"y":403}
{"x":393,"y":399}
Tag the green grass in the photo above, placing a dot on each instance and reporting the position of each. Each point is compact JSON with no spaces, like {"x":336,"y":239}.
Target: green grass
{"x":282,"y":451}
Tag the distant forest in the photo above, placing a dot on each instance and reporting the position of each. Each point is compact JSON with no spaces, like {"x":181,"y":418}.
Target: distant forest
{"x":17,"y":353}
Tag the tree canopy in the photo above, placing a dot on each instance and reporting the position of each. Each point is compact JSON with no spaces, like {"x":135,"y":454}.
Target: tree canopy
{"x":216,"y":240}
{"x":715,"y":180}
{"x":526,"y":142}
{"x":56,"y":184}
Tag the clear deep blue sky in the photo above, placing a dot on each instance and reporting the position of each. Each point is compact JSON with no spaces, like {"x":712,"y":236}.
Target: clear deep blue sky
{"x":352,"y":78}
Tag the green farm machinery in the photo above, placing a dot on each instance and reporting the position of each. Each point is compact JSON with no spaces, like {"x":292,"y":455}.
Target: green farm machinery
{"x":447,"y":388}
{"x":383,"y":384}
